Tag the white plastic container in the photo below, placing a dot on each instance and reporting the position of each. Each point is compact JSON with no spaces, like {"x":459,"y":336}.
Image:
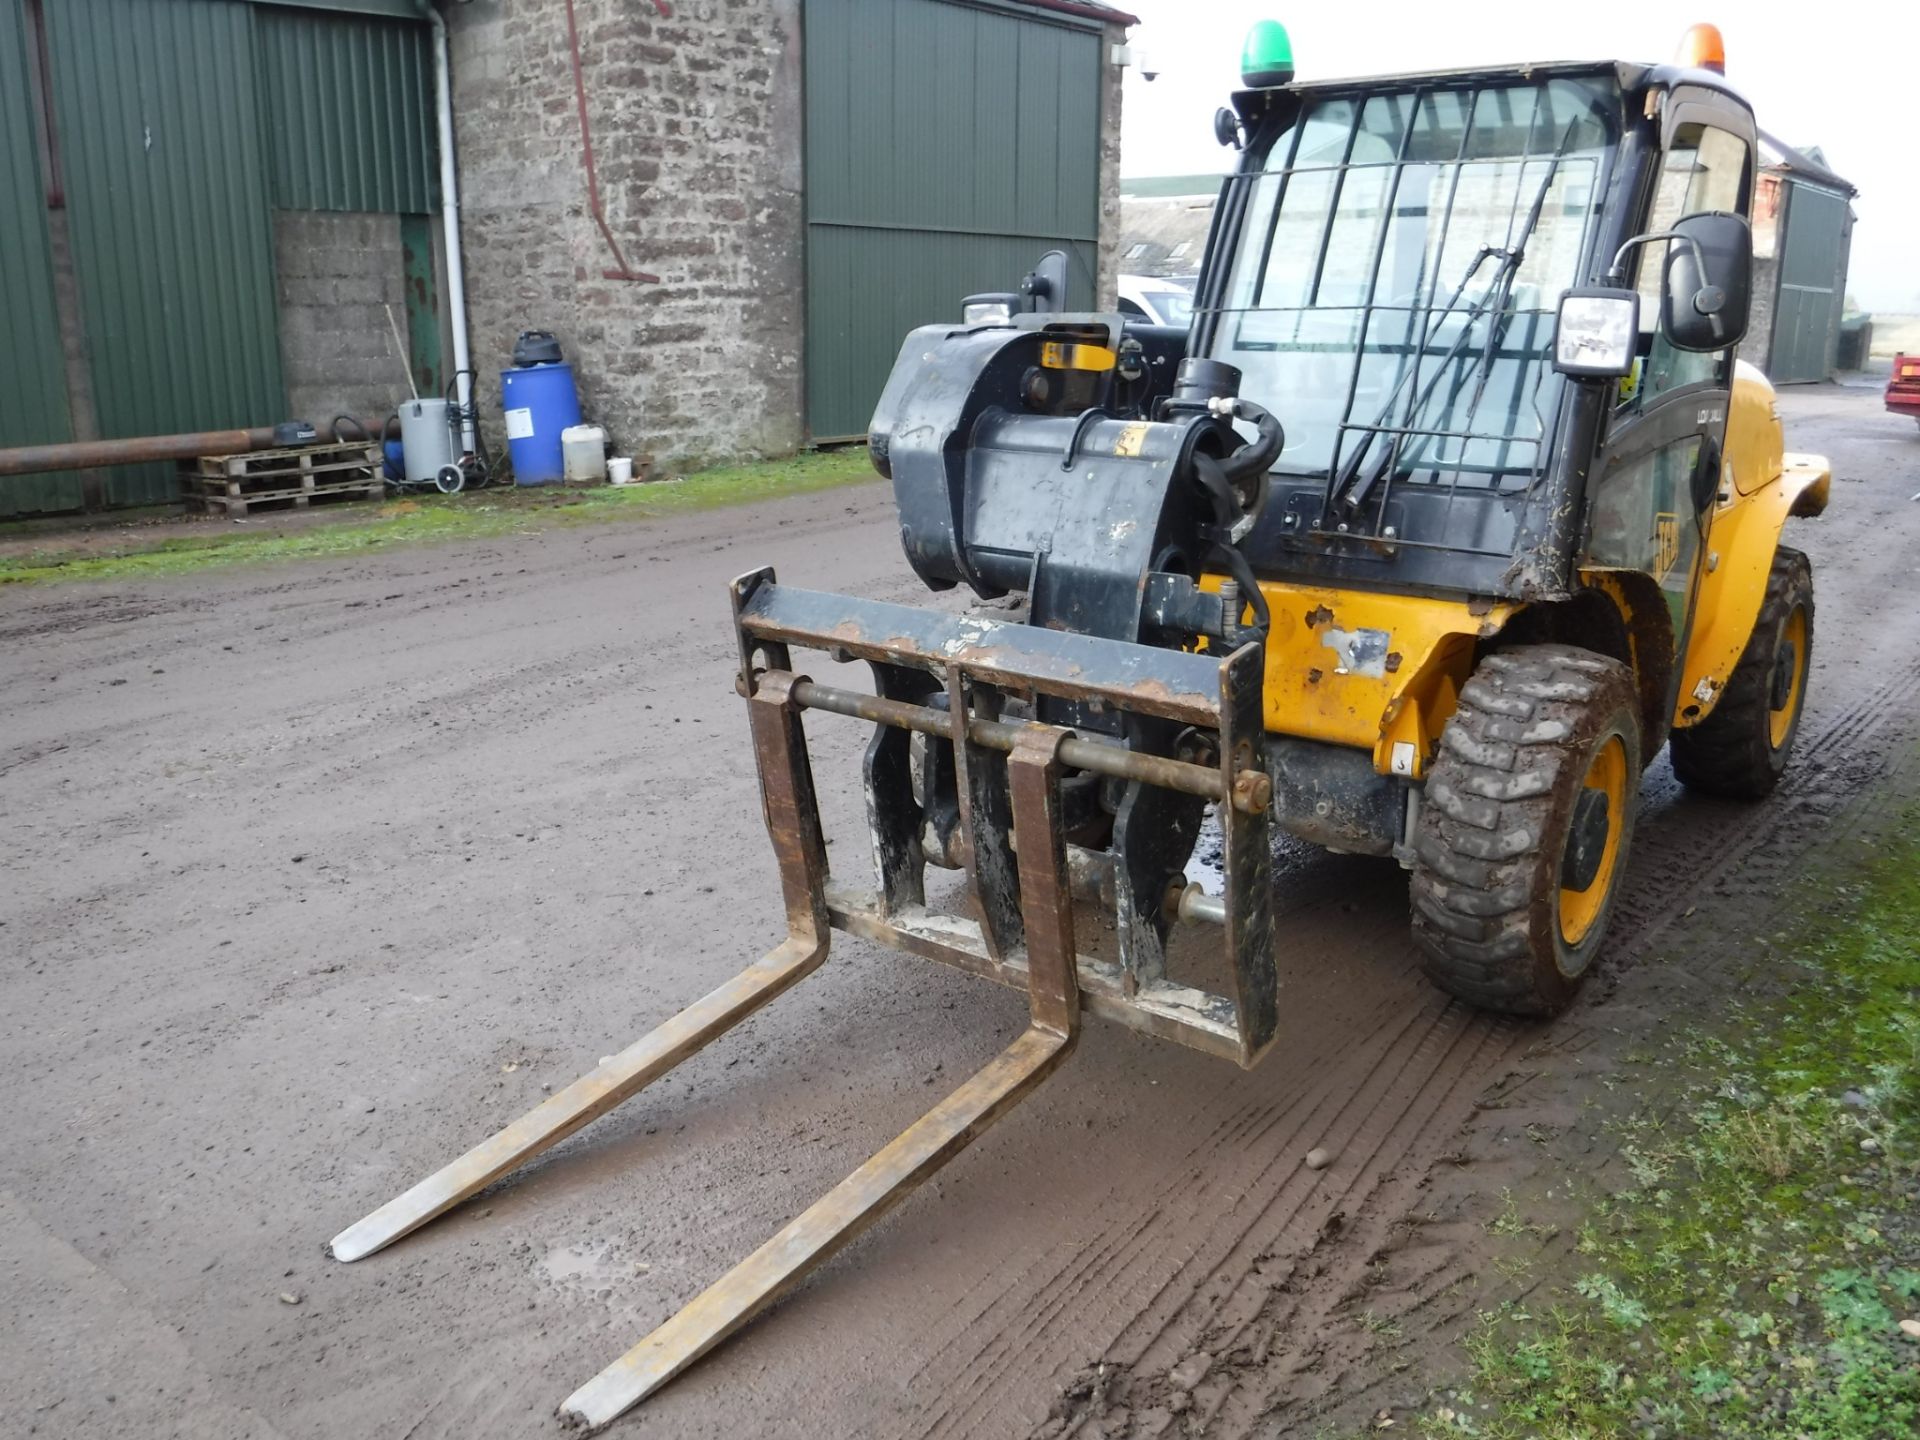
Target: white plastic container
{"x":583,"y":451}
{"x":620,"y":470}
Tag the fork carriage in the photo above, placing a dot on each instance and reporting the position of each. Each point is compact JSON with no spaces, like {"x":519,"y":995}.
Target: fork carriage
{"x":1007,"y":815}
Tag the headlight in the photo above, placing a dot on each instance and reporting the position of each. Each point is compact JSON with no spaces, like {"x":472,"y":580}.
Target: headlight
{"x":1597,"y":332}
{"x":986,"y":312}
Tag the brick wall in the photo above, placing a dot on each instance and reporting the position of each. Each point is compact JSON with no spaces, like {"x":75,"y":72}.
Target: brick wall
{"x":696,"y":132}
{"x":337,"y":273}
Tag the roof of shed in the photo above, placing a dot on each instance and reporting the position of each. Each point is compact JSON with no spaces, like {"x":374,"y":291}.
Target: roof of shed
{"x":1781,"y":156}
{"x":1086,"y":10}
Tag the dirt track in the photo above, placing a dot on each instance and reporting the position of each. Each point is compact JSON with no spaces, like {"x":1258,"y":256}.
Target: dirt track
{"x":316,"y":874}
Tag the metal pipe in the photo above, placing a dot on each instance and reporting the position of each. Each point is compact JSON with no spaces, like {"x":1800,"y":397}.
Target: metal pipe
{"x":141,"y":449}
{"x":1190,"y":902}
{"x":625,"y":272}
{"x":450,"y":204}
{"x":1253,"y":793}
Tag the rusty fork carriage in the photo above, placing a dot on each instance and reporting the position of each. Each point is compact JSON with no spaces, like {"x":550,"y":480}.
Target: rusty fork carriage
{"x":1128,"y":748}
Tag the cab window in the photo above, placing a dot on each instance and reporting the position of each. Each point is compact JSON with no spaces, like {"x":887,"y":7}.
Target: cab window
{"x":1706,"y":169}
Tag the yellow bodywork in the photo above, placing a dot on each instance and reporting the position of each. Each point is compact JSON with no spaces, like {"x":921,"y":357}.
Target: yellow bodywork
{"x":1374,"y":671}
{"x":1382,"y":672}
{"x":1760,"y":486}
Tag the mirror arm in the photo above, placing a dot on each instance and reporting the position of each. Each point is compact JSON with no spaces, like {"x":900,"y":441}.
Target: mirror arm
{"x":1618,"y":274}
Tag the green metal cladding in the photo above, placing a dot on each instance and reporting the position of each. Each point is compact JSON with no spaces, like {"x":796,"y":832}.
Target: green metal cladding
{"x":947,"y":146}
{"x":180,"y":126}
{"x":1806,"y":316}
{"x":157,"y":108}
{"x":349,"y":111}
{"x":33,"y":401}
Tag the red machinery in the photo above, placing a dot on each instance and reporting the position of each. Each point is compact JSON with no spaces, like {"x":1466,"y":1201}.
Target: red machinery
{"x":1903,"y":390}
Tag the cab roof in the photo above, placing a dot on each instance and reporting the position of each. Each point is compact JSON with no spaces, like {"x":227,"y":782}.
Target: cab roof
{"x":1632,"y":77}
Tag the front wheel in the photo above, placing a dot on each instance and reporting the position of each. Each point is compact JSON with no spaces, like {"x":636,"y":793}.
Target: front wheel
{"x":1524,"y":827}
{"x":1740,"y":750}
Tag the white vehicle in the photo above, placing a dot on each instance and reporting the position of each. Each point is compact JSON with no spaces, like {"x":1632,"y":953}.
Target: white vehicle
{"x":1157,"y":301}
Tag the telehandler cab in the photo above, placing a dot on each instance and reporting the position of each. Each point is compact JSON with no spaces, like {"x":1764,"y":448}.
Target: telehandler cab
{"x":1452,"y":507}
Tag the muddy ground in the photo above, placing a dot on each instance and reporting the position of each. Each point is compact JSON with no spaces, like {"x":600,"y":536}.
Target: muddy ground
{"x":316,"y":874}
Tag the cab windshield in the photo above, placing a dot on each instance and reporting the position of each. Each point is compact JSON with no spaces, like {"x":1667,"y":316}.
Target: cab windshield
{"x":1400,"y":261}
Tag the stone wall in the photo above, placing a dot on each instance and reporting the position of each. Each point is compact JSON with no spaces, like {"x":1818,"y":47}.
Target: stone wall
{"x":696,"y":124}
{"x":338,"y":271}
{"x":695,"y":121}
{"x":1107,"y":280}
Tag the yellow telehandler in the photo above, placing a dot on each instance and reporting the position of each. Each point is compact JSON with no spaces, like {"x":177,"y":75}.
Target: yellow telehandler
{"x":1449,"y":509}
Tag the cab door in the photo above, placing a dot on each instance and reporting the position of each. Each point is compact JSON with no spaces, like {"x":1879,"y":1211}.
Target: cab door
{"x":1659,"y":470}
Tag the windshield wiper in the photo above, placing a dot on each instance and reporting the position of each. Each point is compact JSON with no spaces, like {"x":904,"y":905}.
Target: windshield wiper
{"x":1509,"y":272}
{"x":1352,"y":485}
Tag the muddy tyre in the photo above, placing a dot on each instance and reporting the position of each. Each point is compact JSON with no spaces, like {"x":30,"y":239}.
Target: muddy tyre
{"x":1524,"y":827}
{"x":1740,"y":750}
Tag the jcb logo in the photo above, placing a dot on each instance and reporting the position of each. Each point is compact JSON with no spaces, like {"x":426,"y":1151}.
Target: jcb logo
{"x":1666,"y":542}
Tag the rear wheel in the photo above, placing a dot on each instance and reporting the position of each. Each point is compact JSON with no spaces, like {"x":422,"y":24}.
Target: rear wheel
{"x":1524,"y":827}
{"x":1741,"y":749}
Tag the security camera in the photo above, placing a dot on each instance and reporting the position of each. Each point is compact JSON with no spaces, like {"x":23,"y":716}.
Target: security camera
{"x":1149,"y":66}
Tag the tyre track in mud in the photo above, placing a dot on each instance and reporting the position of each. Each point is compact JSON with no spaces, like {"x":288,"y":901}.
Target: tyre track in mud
{"x":1332,"y":1367}
{"x":511,"y":866}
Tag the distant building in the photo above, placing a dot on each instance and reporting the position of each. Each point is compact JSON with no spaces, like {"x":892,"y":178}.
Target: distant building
{"x":1802,"y":236}
{"x":1164,"y":221}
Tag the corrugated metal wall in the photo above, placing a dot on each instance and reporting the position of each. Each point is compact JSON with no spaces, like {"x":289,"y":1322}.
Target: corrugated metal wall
{"x":349,"y":112}
{"x":166,"y":178}
{"x":948,"y":145}
{"x":33,"y":399}
{"x":1806,"y":319}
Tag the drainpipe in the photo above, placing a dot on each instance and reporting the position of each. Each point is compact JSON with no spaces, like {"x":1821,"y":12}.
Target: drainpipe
{"x":450,"y":210}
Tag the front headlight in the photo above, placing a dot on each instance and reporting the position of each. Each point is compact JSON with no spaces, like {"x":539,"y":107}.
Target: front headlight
{"x":1597,"y":332}
{"x":986,"y":312}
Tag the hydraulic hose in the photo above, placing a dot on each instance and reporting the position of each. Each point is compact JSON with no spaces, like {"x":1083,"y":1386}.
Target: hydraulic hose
{"x":1257,"y":455}
{"x":1223,"y":479}
{"x":1228,"y":517}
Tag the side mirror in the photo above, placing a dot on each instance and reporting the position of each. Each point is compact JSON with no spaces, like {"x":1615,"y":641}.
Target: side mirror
{"x":1226,"y":127}
{"x":1596,"y":333}
{"x":1706,"y":286}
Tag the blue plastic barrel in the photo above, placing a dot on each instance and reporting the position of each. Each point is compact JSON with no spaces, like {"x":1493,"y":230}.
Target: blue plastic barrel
{"x":540,"y":401}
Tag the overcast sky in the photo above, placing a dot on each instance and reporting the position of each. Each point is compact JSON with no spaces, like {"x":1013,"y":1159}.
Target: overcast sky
{"x":1850,"y":85}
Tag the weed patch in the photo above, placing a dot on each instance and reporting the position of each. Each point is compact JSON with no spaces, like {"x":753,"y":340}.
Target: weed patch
{"x":1761,"y":1276}
{"x":484,"y":514}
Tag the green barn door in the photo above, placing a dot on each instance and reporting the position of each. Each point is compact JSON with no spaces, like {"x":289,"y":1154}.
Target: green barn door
{"x":166,"y":184}
{"x":33,"y":397}
{"x":948,"y":146}
{"x":1807,"y":314}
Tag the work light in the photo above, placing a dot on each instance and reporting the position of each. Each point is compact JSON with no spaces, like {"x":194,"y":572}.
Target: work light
{"x":1597,"y":331}
{"x":986,"y":310}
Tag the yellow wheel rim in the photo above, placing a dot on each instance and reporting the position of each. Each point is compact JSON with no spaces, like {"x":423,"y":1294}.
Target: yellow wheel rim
{"x":1780,"y":719}
{"x":1579,"y":909}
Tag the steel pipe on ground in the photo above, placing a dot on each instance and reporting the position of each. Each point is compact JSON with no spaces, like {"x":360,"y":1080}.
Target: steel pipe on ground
{"x":141,"y":449}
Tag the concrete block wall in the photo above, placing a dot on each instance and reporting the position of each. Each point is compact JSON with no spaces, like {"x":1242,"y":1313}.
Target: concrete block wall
{"x":338,"y":271}
{"x":695,"y":118}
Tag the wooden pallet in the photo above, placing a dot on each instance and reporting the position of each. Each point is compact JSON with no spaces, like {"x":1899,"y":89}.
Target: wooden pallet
{"x":232,"y":485}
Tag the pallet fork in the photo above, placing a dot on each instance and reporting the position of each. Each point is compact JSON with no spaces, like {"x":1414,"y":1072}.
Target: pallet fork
{"x":948,"y":678}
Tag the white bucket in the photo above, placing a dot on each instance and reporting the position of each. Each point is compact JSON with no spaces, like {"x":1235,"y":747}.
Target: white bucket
{"x":620,"y":470}
{"x":583,"y":450}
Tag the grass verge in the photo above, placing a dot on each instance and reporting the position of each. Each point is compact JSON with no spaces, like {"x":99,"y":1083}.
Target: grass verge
{"x":1761,"y":1277}
{"x":484,"y":514}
